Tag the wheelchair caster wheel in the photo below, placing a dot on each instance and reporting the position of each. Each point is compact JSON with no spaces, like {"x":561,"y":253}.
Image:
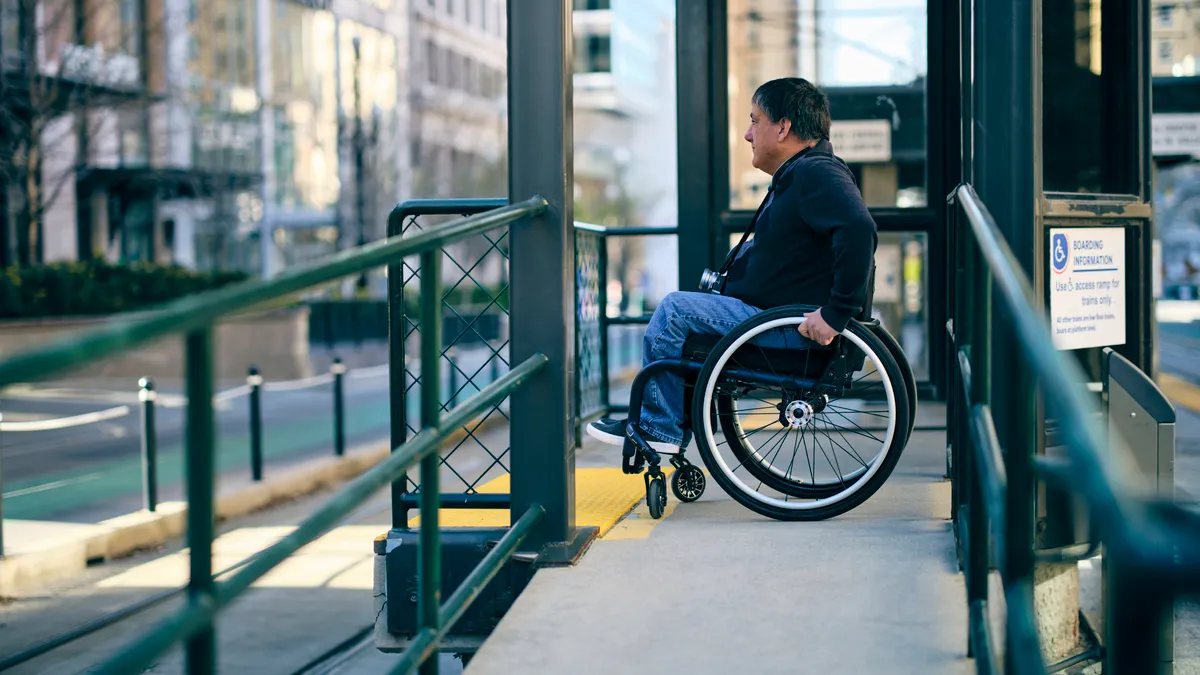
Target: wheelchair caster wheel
{"x":656,"y":497}
{"x":687,"y":483}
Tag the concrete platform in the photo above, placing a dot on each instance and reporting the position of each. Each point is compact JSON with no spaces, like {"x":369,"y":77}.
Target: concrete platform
{"x":714,"y":588}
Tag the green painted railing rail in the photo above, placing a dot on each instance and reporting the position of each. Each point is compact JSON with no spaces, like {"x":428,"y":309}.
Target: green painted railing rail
{"x":1153,"y":550}
{"x":194,"y":318}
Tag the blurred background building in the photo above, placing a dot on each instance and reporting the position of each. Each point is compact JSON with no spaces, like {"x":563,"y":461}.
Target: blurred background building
{"x":1175,"y":48}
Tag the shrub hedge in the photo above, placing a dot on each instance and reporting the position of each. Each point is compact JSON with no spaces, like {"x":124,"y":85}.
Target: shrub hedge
{"x":98,"y":287}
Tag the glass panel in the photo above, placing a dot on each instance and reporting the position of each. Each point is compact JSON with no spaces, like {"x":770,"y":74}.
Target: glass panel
{"x":304,"y":101}
{"x":901,"y":301}
{"x":870,"y":59}
{"x":1082,"y":73}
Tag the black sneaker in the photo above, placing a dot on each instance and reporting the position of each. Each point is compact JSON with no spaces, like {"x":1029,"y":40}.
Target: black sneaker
{"x":612,"y":432}
{"x":607,"y":431}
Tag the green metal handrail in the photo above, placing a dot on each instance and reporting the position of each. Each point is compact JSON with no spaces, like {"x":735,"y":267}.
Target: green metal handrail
{"x":194,"y":318}
{"x":993,"y":481}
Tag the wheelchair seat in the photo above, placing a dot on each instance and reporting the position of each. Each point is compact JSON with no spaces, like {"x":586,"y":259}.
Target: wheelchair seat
{"x":807,"y":363}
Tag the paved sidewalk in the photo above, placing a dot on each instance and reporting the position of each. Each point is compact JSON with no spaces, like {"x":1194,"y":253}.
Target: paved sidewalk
{"x":714,"y":588}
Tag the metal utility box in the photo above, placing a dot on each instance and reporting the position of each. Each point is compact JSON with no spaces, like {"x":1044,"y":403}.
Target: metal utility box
{"x":462,"y":549}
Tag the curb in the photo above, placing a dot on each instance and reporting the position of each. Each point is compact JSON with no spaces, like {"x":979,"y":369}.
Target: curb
{"x":64,"y":557}
{"x":61,"y":558}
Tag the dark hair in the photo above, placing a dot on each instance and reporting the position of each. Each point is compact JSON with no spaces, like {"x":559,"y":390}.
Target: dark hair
{"x":798,"y":101}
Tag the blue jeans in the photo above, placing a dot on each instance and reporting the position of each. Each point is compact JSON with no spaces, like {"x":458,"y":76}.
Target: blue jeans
{"x":679,"y":314}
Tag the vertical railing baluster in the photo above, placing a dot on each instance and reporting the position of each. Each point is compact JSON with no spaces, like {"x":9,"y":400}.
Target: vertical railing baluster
{"x":602,"y":299}
{"x":201,"y":470}
{"x":397,"y":378}
{"x":429,"y":571}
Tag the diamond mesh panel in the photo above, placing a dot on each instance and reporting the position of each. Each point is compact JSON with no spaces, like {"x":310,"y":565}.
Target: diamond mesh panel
{"x":590,"y":383}
{"x":475,"y":339}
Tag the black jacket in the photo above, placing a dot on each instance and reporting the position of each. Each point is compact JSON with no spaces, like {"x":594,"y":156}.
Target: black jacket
{"x":814,"y":242}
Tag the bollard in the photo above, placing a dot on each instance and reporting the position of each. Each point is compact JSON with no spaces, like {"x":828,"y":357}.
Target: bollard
{"x":149,"y":444}
{"x":255,"y":380}
{"x":494,"y":363}
{"x":339,"y":409}
{"x":452,"y":387}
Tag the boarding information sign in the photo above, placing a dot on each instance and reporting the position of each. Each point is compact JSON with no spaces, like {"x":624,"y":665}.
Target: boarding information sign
{"x":1087,"y":287}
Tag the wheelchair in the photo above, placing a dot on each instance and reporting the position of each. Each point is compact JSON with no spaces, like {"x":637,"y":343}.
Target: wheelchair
{"x":790,"y":434}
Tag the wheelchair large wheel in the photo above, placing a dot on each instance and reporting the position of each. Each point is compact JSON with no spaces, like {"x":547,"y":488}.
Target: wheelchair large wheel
{"x":769,"y":413}
{"x":910,"y":380}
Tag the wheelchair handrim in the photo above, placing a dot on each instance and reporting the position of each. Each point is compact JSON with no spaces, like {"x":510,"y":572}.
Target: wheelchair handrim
{"x":771,"y":501}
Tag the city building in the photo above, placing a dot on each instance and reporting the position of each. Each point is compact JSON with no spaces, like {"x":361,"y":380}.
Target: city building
{"x":458,"y":132}
{"x":235,"y":134}
{"x":1174,"y":49}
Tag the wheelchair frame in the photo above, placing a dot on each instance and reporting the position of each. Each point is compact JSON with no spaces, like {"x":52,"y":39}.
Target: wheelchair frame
{"x":836,"y":376}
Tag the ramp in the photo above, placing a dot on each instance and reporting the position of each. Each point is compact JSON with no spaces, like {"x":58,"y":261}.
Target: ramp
{"x":714,"y":588}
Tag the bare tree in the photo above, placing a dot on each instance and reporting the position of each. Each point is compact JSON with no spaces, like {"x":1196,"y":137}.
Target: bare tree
{"x":69,"y":60}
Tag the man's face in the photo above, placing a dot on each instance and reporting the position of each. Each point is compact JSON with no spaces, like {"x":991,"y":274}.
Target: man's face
{"x":765,"y":137}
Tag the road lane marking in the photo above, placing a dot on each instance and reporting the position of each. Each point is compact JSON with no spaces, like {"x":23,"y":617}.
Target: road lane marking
{"x":52,"y":486}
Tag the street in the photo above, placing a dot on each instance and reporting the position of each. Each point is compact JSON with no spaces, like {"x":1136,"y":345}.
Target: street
{"x":92,"y":472}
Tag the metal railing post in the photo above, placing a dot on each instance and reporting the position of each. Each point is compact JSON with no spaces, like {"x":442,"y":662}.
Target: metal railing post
{"x":147,"y":395}
{"x":602,"y":300}
{"x":339,"y":407}
{"x":201,"y":478}
{"x":543,"y":414}
{"x":430,"y":565}
{"x":397,"y":374}
{"x":255,"y":380}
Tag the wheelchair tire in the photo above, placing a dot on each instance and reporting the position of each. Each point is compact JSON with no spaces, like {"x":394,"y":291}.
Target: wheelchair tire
{"x":910,"y":381}
{"x":736,"y":437}
{"x":824,"y":500}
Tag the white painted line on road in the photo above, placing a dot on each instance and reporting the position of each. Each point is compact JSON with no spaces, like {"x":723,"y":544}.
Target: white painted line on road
{"x":364,"y":373}
{"x":52,"y":486}
{"x":293,"y":385}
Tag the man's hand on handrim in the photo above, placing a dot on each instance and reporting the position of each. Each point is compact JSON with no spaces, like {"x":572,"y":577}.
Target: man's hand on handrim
{"x":814,"y":328}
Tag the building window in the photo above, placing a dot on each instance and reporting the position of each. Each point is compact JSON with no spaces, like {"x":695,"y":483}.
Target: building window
{"x":431,"y":61}
{"x":589,"y":5}
{"x":456,"y":79}
{"x":1164,"y":15}
{"x":594,"y":55}
{"x":1165,"y":51}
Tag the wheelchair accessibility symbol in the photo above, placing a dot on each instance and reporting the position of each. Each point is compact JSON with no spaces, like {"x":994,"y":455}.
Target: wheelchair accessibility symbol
{"x":1058,"y":253}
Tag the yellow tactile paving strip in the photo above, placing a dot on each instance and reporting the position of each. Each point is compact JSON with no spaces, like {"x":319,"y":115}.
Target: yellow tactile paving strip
{"x":1181,"y":392}
{"x":603,"y":496}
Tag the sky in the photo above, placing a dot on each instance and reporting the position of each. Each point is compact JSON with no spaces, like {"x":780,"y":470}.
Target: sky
{"x":865,"y":42}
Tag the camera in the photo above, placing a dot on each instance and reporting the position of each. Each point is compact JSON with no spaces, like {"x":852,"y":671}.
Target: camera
{"x":712,"y":282}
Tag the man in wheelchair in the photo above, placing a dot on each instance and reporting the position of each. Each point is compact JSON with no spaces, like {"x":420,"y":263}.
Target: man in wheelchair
{"x":813,"y":244}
